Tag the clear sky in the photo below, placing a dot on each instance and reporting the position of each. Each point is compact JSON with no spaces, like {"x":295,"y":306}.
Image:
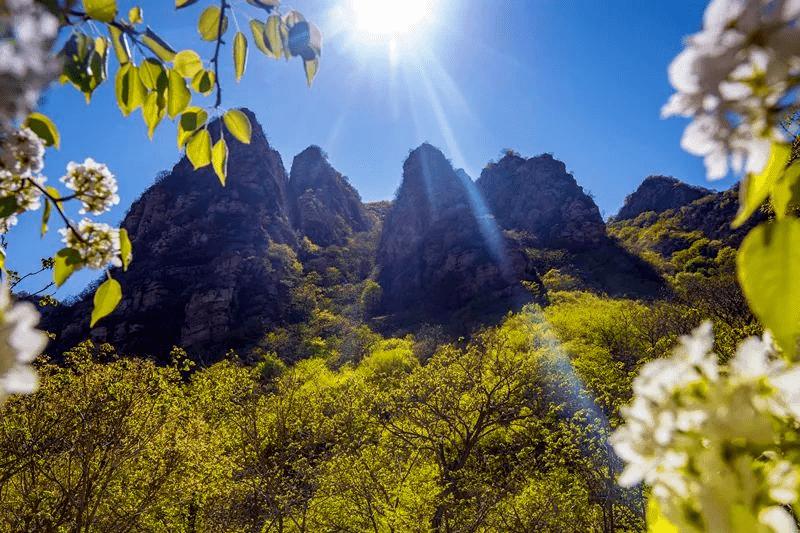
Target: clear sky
{"x":581,"y":79}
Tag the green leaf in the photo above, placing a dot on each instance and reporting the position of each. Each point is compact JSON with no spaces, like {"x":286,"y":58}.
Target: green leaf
{"x":158,"y":46}
{"x":125,"y":248}
{"x":155,"y":105}
{"x":106,"y":299}
{"x":8,"y":206}
{"x":787,"y":191}
{"x":276,"y":33}
{"x":102,"y":10}
{"x":238,"y":124}
{"x":135,"y":15}
{"x":44,"y":128}
{"x":178,"y":96}
{"x":203,"y":82}
{"x":269,"y":5}
{"x":66,"y":261}
{"x":757,"y":187}
{"x":259,"y":36}
{"x":769,"y":273}
{"x":311,"y":66}
{"x":239,"y":54}
{"x":198,"y":149}
{"x":188,"y":63}
{"x":184,"y":3}
{"x":120,"y":42}
{"x":48,"y":207}
{"x":656,"y":523}
{"x":191,"y":119}
{"x":53,"y":192}
{"x":208,"y":24}
{"x":153,"y":74}
{"x":219,"y":158}
{"x":130,"y":91}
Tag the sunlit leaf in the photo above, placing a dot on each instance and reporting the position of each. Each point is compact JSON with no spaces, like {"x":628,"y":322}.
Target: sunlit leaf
{"x":44,"y":128}
{"x":130,"y":91}
{"x":106,"y":299}
{"x":238,"y":124}
{"x":188,"y":63}
{"x":239,"y":54}
{"x":102,"y":10}
{"x":158,"y":46}
{"x":275,"y":30}
{"x":656,"y":523}
{"x":208,"y":24}
{"x":153,"y":109}
{"x":769,"y":273}
{"x":311,"y":66}
{"x":135,"y":15}
{"x":66,"y":261}
{"x":259,"y":36}
{"x":203,"y":82}
{"x":219,"y":158}
{"x":787,"y":191}
{"x":198,"y":149}
{"x":48,"y":208}
{"x":120,"y":42}
{"x":125,"y":248}
{"x":153,"y":74}
{"x":184,"y":3}
{"x":178,"y":96}
{"x":757,"y":187}
{"x":191,"y":119}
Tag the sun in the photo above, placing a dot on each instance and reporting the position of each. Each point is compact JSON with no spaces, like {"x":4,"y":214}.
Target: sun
{"x":386,"y":20}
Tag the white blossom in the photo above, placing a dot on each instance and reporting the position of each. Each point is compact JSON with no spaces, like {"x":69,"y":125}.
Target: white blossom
{"x":22,"y":152}
{"x":97,"y":243}
{"x":20,"y":344}
{"x":93,"y":184}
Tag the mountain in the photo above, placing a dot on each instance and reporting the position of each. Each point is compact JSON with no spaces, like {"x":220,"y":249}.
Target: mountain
{"x":658,"y":194}
{"x":440,"y":249}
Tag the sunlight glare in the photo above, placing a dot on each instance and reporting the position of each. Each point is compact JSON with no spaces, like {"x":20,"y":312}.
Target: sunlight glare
{"x":389,"y":18}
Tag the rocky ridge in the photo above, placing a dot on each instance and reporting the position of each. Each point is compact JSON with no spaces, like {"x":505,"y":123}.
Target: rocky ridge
{"x":658,"y":194}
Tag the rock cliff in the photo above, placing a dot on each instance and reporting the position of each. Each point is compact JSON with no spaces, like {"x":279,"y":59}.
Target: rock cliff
{"x":658,"y":194}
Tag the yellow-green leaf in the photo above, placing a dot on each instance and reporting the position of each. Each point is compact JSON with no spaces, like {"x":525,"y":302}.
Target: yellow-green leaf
{"x":155,"y":105}
{"x":757,"y":187}
{"x":53,"y":192}
{"x":48,"y":207}
{"x":238,"y":124}
{"x":184,"y":3}
{"x":106,"y":299}
{"x":130,"y":91}
{"x":656,"y":523}
{"x":239,"y":54}
{"x":191,"y":119}
{"x":188,"y":63}
{"x":120,"y":42}
{"x":157,"y":45}
{"x":102,"y":10}
{"x":219,"y":158}
{"x":258,"y":28}
{"x":44,"y":128}
{"x":311,"y":66}
{"x":125,"y":248}
{"x":179,"y":96}
{"x":769,"y":273}
{"x":135,"y":15}
{"x":153,"y":74}
{"x":203,"y":82}
{"x":8,"y":206}
{"x":787,"y":191}
{"x":276,"y":34}
{"x":66,"y":261}
{"x":198,"y":149}
{"x":208,"y":24}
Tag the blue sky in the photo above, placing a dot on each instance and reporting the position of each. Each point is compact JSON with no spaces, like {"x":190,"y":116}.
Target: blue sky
{"x":581,"y":79}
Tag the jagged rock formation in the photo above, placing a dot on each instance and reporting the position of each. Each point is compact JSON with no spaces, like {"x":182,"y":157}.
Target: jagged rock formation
{"x":209,"y":261}
{"x":325,"y":208}
{"x":658,"y":194}
{"x":438,"y":251}
{"x":539,"y":197}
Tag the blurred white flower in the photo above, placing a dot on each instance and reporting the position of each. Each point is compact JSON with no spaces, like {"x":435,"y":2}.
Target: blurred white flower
{"x":97,"y":243}
{"x":93,"y":184}
{"x":20,"y":344}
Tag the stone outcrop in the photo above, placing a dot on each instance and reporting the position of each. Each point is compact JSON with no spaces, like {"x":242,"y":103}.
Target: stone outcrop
{"x":439,"y":248}
{"x":539,"y":197}
{"x":658,"y":194}
{"x":325,"y":208}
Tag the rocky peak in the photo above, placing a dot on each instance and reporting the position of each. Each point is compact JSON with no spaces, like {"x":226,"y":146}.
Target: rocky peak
{"x":325,"y":208}
{"x":658,"y":194}
{"x":538,"y":196}
{"x":437,"y":250}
